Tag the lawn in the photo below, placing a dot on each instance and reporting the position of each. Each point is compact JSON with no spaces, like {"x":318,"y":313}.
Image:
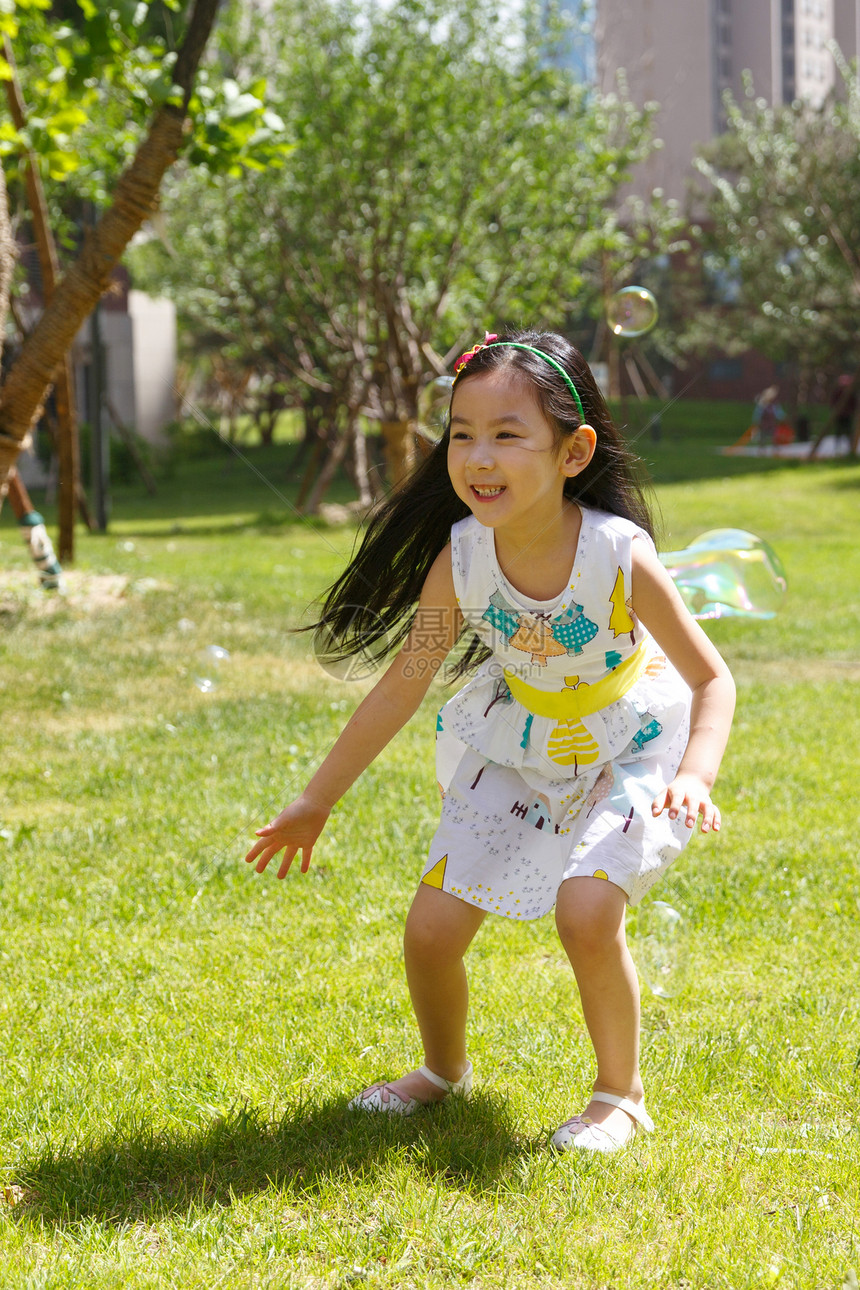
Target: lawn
{"x":181,"y":1036}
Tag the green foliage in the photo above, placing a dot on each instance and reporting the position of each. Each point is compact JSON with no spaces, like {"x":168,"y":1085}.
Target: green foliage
{"x":781,"y":230}
{"x":91,"y":83}
{"x":88,"y":86}
{"x":181,"y":1036}
{"x":445,"y":176}
{"x":11,"y":13}
{"x":234,"y":129}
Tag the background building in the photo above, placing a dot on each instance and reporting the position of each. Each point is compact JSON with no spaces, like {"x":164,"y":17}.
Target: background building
{"x":685,"y":56}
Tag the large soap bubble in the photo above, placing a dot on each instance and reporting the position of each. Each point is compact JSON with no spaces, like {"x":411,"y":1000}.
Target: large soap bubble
{"x":728,"y":573}
{"x":364,"y":633}
{"x":659,"y":948}
{"x":632,"y":311}
{"x":208,"y":670}
{"x":433,"y":403}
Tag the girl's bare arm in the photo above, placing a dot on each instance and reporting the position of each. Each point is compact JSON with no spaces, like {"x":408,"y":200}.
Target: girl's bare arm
{"x":376,"y":721}
{"x":660,"y":608}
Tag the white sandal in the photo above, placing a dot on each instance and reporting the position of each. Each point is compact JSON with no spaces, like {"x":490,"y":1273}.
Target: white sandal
{"x":583,"y":1134}
{"x":372,"y":1098}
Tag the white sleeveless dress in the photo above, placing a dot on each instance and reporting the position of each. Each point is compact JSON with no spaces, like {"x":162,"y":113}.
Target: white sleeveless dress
{"x":529,"y":799}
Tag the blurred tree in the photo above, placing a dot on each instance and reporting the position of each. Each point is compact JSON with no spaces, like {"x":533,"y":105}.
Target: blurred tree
{"x":111,"y":104}
{"x":7,"y":257}
{"x":446,"y":178}
{"x":780,"y":233}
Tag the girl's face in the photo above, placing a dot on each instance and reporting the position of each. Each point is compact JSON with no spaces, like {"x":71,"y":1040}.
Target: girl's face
{"x":504,"y":458}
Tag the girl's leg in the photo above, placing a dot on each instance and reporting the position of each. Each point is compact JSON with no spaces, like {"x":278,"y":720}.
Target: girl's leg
{"x":439,"y":930}
{"x":590,"y":920}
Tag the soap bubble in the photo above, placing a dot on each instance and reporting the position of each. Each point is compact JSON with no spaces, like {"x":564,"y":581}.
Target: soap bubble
{"x":208,"y":667}
{"x":658,"y":950}
{"x":728,"y":573}
{"x":632,"y":311}
{"x":358,"y":633}
{"x":433,"y":403}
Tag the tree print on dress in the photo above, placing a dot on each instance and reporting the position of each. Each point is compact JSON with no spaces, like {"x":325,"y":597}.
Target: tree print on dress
{"x":435,"y":877}
{"x":534,"y":636}
{"x":501,"y":694}
{"x":539,"y":635}
{"x":570,"y":744}
{"x":621,"y":620}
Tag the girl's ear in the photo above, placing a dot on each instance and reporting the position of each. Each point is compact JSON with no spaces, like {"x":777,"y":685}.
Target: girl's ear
{"x":578,"y":451}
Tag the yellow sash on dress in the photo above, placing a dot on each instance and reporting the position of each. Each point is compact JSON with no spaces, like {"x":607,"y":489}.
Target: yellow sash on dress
{"x":571,"y":704}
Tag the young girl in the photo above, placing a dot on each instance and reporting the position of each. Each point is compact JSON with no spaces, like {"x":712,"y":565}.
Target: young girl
{"x":578,"y":759}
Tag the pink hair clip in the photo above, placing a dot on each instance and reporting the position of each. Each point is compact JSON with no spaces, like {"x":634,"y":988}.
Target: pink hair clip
{"x":489,"y":337}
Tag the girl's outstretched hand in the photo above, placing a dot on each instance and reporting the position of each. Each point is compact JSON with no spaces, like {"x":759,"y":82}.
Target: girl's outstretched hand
{"x":296,"y":829}
{"x":688,"y":793}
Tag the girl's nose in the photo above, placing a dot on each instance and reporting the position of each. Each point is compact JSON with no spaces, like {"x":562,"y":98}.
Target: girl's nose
{"x":481,"y":455}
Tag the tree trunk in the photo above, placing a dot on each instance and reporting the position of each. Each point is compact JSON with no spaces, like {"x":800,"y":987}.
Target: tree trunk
{"x":613,"y":345}
{"x":8,"y":254}
{"x":399,"y":441}
{"x":613,"y":354}
{"x":320,"y":433}
{"x":135,"y":199}
{"x":337,"y":452}
{"x":81,"y":502}
{"x":844,"y":401}
{"x":68,"y":449}
{"x":269,"y":408}
{"x":362,"y":468}
{"x":310,"y":474}
{"x":7,"y":257}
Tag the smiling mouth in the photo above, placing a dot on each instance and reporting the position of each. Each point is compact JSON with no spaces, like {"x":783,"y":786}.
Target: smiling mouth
{"x":488,"y":491}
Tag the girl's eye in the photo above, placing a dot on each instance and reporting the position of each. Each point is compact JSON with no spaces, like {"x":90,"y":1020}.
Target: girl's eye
{"x":463,"y":435}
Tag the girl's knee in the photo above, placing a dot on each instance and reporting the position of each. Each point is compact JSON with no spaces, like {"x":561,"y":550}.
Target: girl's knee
{"x":438,"y":926}
{"x":584,"y":939}
{"x":422,"y":936}
{"x":590,"y":917}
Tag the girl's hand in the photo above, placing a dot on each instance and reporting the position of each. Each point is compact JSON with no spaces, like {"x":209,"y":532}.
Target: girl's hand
{"x":296,"y":829}
{"x":688,"y":793}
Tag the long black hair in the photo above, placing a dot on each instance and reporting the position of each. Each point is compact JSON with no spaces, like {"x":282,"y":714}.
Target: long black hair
{"x":369,"y":609}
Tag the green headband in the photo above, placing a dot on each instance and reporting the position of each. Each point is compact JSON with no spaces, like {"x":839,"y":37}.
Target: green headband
{"x":515,"y":344}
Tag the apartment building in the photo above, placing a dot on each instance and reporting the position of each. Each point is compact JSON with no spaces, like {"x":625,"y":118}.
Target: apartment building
{"x":684,"y":55}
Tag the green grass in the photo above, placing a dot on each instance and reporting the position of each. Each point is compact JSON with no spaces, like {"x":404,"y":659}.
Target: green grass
{"x":180,"y":1036}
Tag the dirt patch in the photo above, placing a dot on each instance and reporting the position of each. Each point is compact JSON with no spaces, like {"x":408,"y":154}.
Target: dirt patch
{"x":85,"y":592}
